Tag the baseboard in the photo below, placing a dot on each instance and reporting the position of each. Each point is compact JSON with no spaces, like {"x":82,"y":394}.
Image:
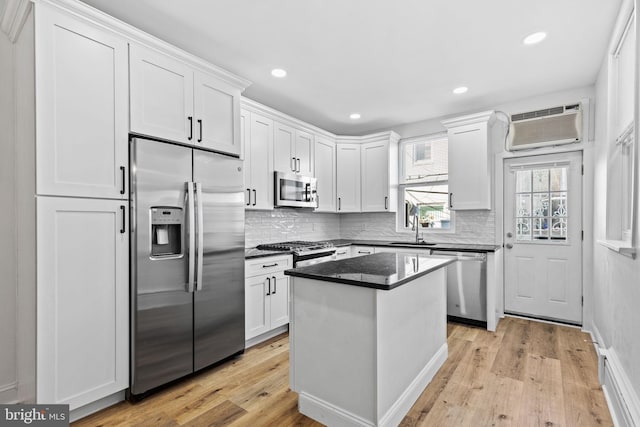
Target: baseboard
{"x":328,"y":414}
{"x":399,"y":409}
{"x":598,"y":344}
{"x":96,"y":406}
{"x":622,"y":400}
{"x":267,"y":335}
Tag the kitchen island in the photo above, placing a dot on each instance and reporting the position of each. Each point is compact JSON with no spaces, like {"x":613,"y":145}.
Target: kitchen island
{"x":367,"y":335}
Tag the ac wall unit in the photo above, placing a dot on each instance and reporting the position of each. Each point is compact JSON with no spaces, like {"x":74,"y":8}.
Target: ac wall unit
{"x":550,"y":126}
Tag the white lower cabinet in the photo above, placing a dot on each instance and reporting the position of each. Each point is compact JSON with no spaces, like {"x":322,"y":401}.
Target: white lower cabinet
{"x":343,"y":252}
{"x":83,"y":300}
{"x":266,"y":294}
{"x":361,"y":251}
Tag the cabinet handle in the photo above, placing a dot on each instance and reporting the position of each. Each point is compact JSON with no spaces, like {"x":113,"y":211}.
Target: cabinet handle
{"x":364,"y":252}
{"x":122,"y":229}
{"x":270,"y":265}
{"x":450,"y":200}
{"x":254,"y":197}
{"x":200,"y":124}
{"x":339,"y":203}
{"x":248,"y":196}
{"x":298,"y":167}
{"x":269,"y":285}
{"x":293,"y":164}
{"x":190,"y":128}
{"x":386,"y":199}
{"x":341,"y":253}
{"x":275,"y":282}
{"x":122,"y":170}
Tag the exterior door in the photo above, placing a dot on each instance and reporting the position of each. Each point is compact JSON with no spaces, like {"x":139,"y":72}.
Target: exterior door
{"x":543,"y":227}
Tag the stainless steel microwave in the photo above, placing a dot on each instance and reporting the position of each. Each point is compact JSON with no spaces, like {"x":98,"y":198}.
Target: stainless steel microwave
{"x":292,"y":190}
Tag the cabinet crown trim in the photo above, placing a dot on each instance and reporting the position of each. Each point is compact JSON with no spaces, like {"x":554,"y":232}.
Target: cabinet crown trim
{"x":133,"y":34}
{"x":13,"y":17}
{"x":483,"y":117}
{"x":374,"y":137}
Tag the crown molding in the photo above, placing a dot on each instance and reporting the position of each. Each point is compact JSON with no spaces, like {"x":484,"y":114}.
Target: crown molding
{"x":389,"y":135}
{"x":13,"y":17}
{"x":483,"y":117}
{"x":132,"y":34}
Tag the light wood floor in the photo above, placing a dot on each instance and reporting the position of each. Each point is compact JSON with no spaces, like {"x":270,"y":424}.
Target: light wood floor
{"x":525,"y":374}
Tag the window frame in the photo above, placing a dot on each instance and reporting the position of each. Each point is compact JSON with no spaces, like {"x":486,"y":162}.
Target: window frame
{"x":424,"y":182}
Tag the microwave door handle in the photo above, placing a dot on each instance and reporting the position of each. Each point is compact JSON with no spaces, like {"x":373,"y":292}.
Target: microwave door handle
{"x":200,"y":234}
{"x":192,"y":235}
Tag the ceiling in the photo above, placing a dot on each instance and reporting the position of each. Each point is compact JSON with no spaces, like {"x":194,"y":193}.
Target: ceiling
{"x":394,"y":62}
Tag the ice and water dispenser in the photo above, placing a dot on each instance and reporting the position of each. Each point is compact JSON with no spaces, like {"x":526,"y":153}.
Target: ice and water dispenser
{"x":166,"y":231}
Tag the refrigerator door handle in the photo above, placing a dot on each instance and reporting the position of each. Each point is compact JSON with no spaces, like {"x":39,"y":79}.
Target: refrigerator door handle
{"x":200,"y":233}
{"x":192,"y":235}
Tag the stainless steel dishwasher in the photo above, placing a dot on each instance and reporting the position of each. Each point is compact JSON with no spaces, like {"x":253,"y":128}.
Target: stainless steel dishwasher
{"x":466,"y":285}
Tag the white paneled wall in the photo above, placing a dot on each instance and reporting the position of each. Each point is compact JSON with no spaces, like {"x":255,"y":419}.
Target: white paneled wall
{"x":470,"y":227}
{"x":283,"y":224}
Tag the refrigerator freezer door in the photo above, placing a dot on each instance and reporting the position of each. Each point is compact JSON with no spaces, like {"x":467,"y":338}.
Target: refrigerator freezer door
{"x":161,"y":306}
{"x":219,"y":300}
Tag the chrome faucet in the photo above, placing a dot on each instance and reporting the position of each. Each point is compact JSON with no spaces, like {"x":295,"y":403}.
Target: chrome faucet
{"x":416,"y":228}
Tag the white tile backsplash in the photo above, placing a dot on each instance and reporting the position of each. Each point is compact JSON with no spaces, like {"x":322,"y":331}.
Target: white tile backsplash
{"x":477,"y":227}
{"x":285,"y":224}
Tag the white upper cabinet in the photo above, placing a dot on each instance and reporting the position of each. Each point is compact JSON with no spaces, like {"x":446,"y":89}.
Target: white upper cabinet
{"x":379,"y":161}
{"x":293,"y":150}
{"x":348,"y":177}
{"x":81,"y":108}
{"x":217,"y":111}
{"x":470,"y":161}
{"x":173,"y":101}
{"x":325,"y":168}
{"x":257,"y":139}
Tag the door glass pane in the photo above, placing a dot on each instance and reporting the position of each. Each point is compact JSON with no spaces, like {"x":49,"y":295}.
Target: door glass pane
{"x":523,"y":229}
{"x":541,"y":180}
{"x":558,"y":179}
{"x":523,"y":204}
{"x":541,"y":198}
{"x":541,"y":204}
{"x":523,"y":181}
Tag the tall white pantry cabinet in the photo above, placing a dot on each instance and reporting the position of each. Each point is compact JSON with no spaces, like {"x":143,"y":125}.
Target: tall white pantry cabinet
{"x":73,"y":102}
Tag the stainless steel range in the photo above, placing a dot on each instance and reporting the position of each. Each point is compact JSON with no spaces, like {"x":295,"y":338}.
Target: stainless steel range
{"x":304,"y":253}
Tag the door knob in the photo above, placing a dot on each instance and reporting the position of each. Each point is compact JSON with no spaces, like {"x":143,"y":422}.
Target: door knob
{"x":509,"y":246}
{"x":509,"y":234}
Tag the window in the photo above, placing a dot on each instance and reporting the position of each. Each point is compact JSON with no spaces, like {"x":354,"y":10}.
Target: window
{"x":620,"y":165}
{"x":424,"y":187}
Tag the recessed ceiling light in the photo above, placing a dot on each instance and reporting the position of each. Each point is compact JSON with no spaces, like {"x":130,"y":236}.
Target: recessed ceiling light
{"x":354,"y":116}
{"x":460,"y":90}
{"x":534,"y":38}
{"x":279,"y":73}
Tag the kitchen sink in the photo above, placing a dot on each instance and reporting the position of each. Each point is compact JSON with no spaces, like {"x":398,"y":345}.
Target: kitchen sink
{"x":412,"y":243}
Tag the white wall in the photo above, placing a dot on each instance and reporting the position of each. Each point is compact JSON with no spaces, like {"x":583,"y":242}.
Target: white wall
{"x":616,"y":318}
{"x":8,"y":301}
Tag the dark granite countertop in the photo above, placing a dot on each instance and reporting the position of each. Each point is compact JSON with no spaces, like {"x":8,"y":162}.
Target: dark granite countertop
{"x":454,"y":247}
{"x":379,"y":271}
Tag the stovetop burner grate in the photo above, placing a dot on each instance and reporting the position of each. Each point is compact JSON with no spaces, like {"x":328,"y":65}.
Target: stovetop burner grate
{"x":296,"y":245}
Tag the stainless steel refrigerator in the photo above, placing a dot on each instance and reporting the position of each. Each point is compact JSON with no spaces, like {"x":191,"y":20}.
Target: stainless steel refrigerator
{"x":187,"y":261}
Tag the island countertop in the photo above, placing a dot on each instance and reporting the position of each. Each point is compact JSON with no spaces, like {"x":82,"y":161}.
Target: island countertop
{"x":383,"y":271}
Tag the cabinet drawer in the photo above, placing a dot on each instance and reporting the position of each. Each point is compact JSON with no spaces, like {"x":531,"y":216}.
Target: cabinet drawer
{"x":267,"y":265}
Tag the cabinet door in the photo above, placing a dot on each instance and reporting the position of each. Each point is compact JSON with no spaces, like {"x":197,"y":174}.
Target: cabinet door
{"x":81,"y":108}
{"x":217,"y":107}
{"x":279,"y":300}
{"x":469,"y":171}
{"x":245,"y":138}
{"x":284,"y":158}
{"x":343,"y":252}
{"x":348,"y":177}
{"x":83,"y":300}
{"x":161,"y":96}
{"x":260,"y":164}
{"x":257,"y":308}
{"x":325,"y":171}
{"x":304,"y":153}
{"x":375,"y":176}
